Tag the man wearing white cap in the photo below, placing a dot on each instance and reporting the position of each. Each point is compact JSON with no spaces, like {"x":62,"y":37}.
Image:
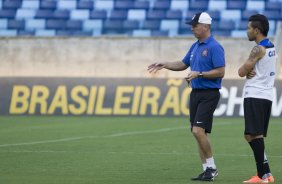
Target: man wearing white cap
{"x":207,"y":63}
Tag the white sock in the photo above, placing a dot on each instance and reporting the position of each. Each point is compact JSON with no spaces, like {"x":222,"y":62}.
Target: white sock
{"x":210,"y":163}
{"x":204,"y":166}
{"x":265,"y":158}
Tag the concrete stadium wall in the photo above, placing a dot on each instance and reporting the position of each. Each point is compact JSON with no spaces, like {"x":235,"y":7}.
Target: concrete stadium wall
{"x":107,"y":56}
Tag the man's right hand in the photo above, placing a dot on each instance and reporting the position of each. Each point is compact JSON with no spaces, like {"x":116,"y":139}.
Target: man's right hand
{"x":153,"y":68}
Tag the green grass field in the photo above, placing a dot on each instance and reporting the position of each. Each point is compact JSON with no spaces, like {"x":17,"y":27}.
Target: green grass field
{"x":88,"y":150}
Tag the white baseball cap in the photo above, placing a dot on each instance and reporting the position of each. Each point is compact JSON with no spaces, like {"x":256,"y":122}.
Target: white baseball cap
{"x":200,"y":18}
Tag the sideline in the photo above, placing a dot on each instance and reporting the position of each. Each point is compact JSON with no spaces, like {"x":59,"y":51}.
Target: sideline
{"x":93,"y":137}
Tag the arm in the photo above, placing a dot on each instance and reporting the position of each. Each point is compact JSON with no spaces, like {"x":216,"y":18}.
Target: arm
{"x":212,"y":74}
{"x":256,"y":54}
{"x":175,"y":66}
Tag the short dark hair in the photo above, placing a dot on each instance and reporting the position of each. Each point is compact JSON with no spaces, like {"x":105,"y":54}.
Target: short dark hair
{"x":261,"y":22}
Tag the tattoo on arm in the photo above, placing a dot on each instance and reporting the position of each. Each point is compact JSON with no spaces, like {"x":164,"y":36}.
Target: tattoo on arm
{"x":255,"y":53}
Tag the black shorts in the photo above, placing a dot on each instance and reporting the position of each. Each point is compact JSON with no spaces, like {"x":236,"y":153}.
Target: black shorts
{"x":202,"y":105}
{"x":257,"y":113}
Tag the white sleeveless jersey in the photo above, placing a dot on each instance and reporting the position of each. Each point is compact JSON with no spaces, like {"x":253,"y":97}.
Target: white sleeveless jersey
{"x":261,"y":85}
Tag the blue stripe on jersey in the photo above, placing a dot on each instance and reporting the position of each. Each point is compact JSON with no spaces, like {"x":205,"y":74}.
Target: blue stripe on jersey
{"x":266,"y":43}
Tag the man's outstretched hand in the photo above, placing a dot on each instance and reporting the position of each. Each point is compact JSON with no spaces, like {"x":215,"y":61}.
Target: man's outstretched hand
{"x":153,"y":68}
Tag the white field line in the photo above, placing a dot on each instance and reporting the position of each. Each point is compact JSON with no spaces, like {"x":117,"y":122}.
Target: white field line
{"x":145,"y":132}
{"x":105,"y":136}
{"x":93,"y":137}
{"x":118,"y":135}
{"x":43,"y":142}
{"x":135,"y":153}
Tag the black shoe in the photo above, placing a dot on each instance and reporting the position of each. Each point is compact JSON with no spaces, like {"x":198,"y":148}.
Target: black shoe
{"x":198,"y":177}
{"x":209,"y":174}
